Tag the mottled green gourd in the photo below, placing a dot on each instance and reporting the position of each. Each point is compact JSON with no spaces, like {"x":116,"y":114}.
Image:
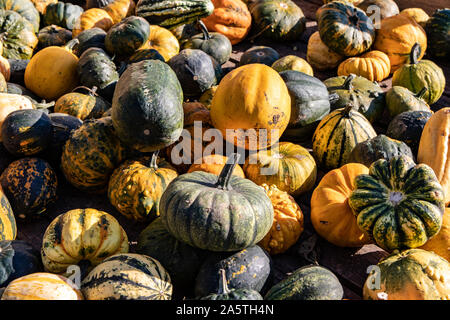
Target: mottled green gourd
{"x":63,"y":14}
{"x":53,"y":36}
{"x":400,"y":99}
{"x":25,"y":8}
{"x":438,"y":34}
{"x":89,"y":38}
{"x":6,"y":261}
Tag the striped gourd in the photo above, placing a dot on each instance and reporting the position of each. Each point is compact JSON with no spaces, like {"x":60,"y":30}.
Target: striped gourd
{"x":42,"y":286}
{"x":128,"y":277}
{"x":337,"y":134}
{"x":8,"y":228}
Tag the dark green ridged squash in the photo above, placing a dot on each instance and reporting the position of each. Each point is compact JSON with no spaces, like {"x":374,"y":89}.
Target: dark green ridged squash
{"x":147,"y":111}
{"x":17,"y":34}
{"x":171,"y":14}
{"x":140,"y":55}
{"x":259,"y":54}
{"x":89,"y":38}
{"x":26,"y":132}
{"x":53,"y":36}
{"x":185,"y":31}
{"x":400,"y":99}
{"x":307,"y":283}
{"x":437,"y":29}
{"x":6,"y":261}
{"x":399,"y":204}
{"x":225,"y":213}
{"x":25,"y":8}
{"x":249,"y":268}
{"x":310,"y":102}
{"x":63,"y":14}
{"x":380,"y":147}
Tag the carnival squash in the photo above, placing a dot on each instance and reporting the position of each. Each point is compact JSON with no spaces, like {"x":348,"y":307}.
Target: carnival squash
{"x":41,"y":5}
{"x":120,"y":9}
{"x":25,"y":8}
{"x":10,"y":102}
{"x":418,"y":14}
{"x":383,"y":8}
{"x":437,"y":30}
{"x":53,"y":36}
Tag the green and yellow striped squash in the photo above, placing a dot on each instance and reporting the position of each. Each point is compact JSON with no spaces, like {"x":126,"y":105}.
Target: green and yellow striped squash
{"x":8,"y":227}
{"x":128,"y":276}
{"x":437,"y":29}
{"x":399,"y":204}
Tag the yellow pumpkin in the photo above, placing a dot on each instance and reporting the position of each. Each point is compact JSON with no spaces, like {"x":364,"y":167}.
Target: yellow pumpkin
{"x":10,"y":102}
{"x":5,"y":68}
{"x":373,"y":65}
{"x":319,"y":56}
{"x":163,"y":41}
{"x":214,"y":164}
{"x":291,"y":62}
{"x":120,"y":9}
{"x":287,"y":222}
{"x":440,"y":243}
{"x":92,"y":18}
{"x":331,"y":215}
{"x":251,"y":106}
{"x":418,"y":14}
{"x":52,"y":72}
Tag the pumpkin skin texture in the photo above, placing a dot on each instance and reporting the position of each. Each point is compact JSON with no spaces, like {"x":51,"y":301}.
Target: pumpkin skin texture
{"x":246,"y":99}
{"x":319,"y":56}
{"x":149,"y":88}
{"x":163,"y":41}
{"x":25,"y":8}
{"x":30,"y":185}
{"x":145,"y":54}
{"x":434,"y":148}
{"x":292,"y":62}
{"x":399,"y":204}
{"x":223,"y":228}
{"x":307,"y":283}
{"x":331,"y":216}
{"x":230,"y":18}
{"x":81,"y":236}
{"x":62,"y":14}
{"x":289,"y":166}
{"x":440,"y":243}
{"x":259,"y":54}
{"x":41,"y":5}
{"x":373,"y":65}
{"x":437,"y":30}
{"x":214,"y":164}
{"x":10,"y":102}
{"x":120,"y":9}
{"x":89,"y":38}
{"x":399,"y":99}
{"x":30,"y":287}
{"x":396,"y":37}
{"x":128,"y":276}
{"x":336,"y":136}
{"x":135,"y":187}
{"x":8,"y":227}
{"x":92,"y":18}
{"x":53,"y":36}
{"x":413,"y":274}
{"x":418,"y":14}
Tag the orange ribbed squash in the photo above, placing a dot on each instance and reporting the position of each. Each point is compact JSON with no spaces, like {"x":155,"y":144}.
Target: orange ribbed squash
{"x":92,"y":18}
{"x":418,"y":14}
{"x":373,"y":65}
{"x":163,"y":41}
{"x":120,"y":9}
{"x":214,"y":164}
{"x":440,"y":243}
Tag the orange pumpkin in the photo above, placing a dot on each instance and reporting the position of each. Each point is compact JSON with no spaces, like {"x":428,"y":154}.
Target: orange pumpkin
{"x":373,"y":65}
{"x":214,"y":164}
{"x":92,"y":18}
{"x":440,"y":243}
{"x":120,"y":9}
{"x":163,"y":41}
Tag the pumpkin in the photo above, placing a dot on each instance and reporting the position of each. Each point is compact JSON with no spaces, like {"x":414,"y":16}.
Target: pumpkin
{"x":62,"y":14}
{"x":163,"y":41}
{"x":135,"y":187}
{"x":288,"y":166}
{"x":89,"y":38}
{"x":10,"y":102}
{"x":3,"y":84}
{"x":214,"y":164}
{"x":8,"y":227}
{"x":128,"y":276}
{"x":437,"y":30}
{"x":5,"y":158}
{"x":413,"y":274}
{"x":149,"y":88}
{"x":30,"y":185}
{"x":5,"y":68}
{"x":433,"y":148}
{"x":17,"y":89}
{"x":242,"y":205}
{"x":418,"y":74}
{"x":53,"y":36}
{"x":399,"y":204}
{"x":399,"y":99}
{"x":185,"y":31}
{"x":41,"y":5}
{"x":354,"y":2}
{"x":81,"y":105}
{"x":279,"y":20}
{"x":385,"y":8}
{"x":83,"y":237}
{"x":251,"y":106}
{"x":373,"y":65}
{"x":97,"y":3}
{"x":230,"y":18}
{"x":396,"y":37}
{"x":440,"y":243}
{"x":307,"y":283}
{"x":30,"y":287}
{"x":418,"y":14}
{"x":17,"y":35}
{"x":336,"y":136}
{"x":52,"y":71}
{"x":331,"y":216}
{"x":25,"y":8}
{"x":145,"y":54}
{"x":291,"y":62}
{"x":92,"y":18}
{"x":120,"y":9}
{"x":6,"y":261}
{"x":259,"y":54}
{"x":319,"y":56}
{"x":249,"y":268}
{"x":26,"y":132}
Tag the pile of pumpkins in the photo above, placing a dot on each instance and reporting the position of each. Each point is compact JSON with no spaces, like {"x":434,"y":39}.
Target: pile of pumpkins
{"x":111,"y":90}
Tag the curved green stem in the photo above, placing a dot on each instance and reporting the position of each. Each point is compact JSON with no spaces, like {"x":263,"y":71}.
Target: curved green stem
{"x":206,"y":35}
{"x":72,"y":43}
{"x":421,"y":93}
{"x":225,"y":175}
{"x":414,"y":55}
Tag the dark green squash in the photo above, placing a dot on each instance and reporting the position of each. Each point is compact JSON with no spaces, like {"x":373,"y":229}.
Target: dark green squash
{"x":5,"y":159}
{"x":97,"y":3}
{"x":387,"y":8}
{"x":6,"y":261}
{"x":17,"y":34}
{"x":185,"y":31}
{"x":140,"y":55}
{"x":400,"y":99}
{"x":53,"y":36}
{"x":63,"y":14}
{"x":259,"y":54}
{"x":18,"y":89}
{"x":25,"y":8}
{"x":307,"y":283}
{"x":89,"y":38}
{"x":437,"y":29}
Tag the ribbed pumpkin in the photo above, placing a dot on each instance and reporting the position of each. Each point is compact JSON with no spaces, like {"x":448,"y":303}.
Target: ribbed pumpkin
{"x":387,"y":8}
{"x":319,"y":56}
{"x":42,"y":286}
{"x":259,"y":54}
{"x":10,"y":102}
{"x":145,"y":54}
{"x":230,"y":18}
{"x":399,"y":204}
{"x":252,"y":102}
{"x":440,"y":243}
{"x":434,"y":148}
{"x":413,"y":274}
{"x":63,"y":14}
{"x":52,"y":71}
{"x":120,"y":9}
{"x":214,"y":164}
{"x":399,"y":99}
{"x":396,"y":37}
{"x":288,"y":166}
{"x":287,"y":222}
{"x":8,"y":227}
{"x":336,"y":136}
{"x":331,"y":216}
{"x":92,"y":18}
{"x":163,"y":41}
{"x":135,"y":188}
{"x":291,"y":62}
{"x":25,"y":8}
{"x":53,"y":36}
{"x":373,"y":65}
{"x":128,"y":276}
{"x":418,"y":14}
{"x":83,"y":237}
{"x":437,"y":30}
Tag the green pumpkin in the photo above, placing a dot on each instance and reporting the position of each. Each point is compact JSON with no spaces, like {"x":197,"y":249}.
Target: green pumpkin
{"x":6,"y":261}
{"x":17,"y":33}
{"x":307,"y":283}
{"x":367,"y":96}
{"x":400,"y":99}
{"x":418,"y":74}
{"x":53,"y":36}
{"x":149,"y":88}
{"x":25,"y":8}
{"x":310,"y":102}
{"x":259,"y":54}
{"x":140,"y":55}
{"x":185,"y":31}
{"x":63,"y":14}
{"x":220,"y":212}
{"x":279,"y":20}
{"x":399,"y":204}
{"x":89,"y":38}
{"x":213,"y":43}
{"x":437,"y":29}
{"x":344,"y":28}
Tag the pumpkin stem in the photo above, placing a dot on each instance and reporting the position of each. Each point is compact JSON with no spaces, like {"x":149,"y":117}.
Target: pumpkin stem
{"x":349,"y":107}
{"x":206,"y":35}
{"x":72,"y":43}
{"x":223,"y":182}
{"x":43,"y":104}
{"x":414,"y":55}
{"x":154,"y":160}
{"x":421,"y":93}
{"x":92,"y":91}
{"x":348,"y":84}
{"x":223,"y":287}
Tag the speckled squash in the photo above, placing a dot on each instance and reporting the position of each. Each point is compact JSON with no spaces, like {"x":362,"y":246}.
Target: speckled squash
{"x":373,"y":65}
{"x":214,"y":164}
{"x":259,"y":54}
{"x":53,"y":36}
{"x":437,"y":30}
{"x":83,"y":237}
{"x":63,"y":14}
{"x":440,"y":243}
{"x":319,"y":56}
{"x":8,"y":227}
{"x":163,"y":41}
{"x":413,"y":274}
{"x":399,"y":204}
{"x":120,"y":9}
{"x":10,"y":102}
{"x":418,"y":14}
{"x":128,"y":276}
{"x":25,"y":8}
{"x":288,"y":166}
{"x":92,"y":18}
{"x":399,"y":99}
{"x":89,"y":38}
{"x":30,"y":185}
{"x":291,"y":62}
